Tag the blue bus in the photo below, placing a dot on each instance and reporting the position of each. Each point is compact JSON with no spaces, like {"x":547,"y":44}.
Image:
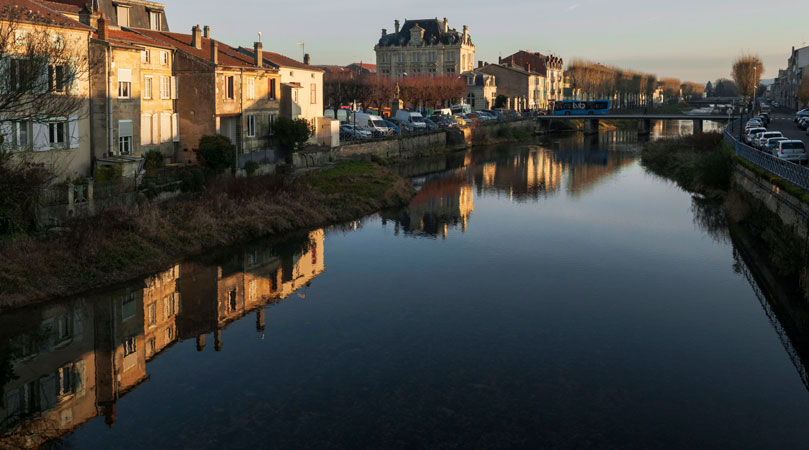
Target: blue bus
{"x":576,"y":107}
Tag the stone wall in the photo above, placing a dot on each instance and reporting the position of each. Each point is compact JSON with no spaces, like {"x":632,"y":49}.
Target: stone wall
{"x":793,"y":212}
{"x":404,"y":147}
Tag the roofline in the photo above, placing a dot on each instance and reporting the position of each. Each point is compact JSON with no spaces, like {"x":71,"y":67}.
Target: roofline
{"x":154,"y":5}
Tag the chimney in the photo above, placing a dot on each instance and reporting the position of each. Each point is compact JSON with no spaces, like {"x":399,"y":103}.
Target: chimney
{"x":89,"y":15}
{"x":480,"y":64}
{"x":499,"y":60}
{"x":446,"y":25}
{"x":102,"y":27}
{"x":214,"y":52}
{"x":258,"y":54}
{"x":196,"y":37}
{"x":384,"y":32}
{"x":396,"y":25}
{"x":465,"y":34}
{"x":306,"y":59}
{"x":207,"y":32}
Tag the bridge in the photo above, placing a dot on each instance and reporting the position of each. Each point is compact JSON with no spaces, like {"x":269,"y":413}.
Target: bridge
{"x":644,"y":120}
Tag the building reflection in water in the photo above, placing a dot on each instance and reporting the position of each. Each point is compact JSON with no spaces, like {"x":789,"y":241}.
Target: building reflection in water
{"x":68,"y":361}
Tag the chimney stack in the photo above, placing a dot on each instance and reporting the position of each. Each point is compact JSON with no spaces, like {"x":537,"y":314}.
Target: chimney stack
{"x":258,"y":54}
{"x":214,"y":52}
{"x":196,"y":37}
{"x":465,"y":34}
{"x":480,"y":64}
{"x":207,"y":32}
{"x":384,"y":32}
{"x":102,"y":27}
{"x":446,"y":25}
{"x":306,"y":59}
{"x":396,"y":25}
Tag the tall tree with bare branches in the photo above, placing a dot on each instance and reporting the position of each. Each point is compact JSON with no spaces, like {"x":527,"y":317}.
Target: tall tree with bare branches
{"x":747,"y":71}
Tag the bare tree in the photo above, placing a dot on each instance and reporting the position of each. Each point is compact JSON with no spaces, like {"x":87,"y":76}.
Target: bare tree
{"x":747,"y":71}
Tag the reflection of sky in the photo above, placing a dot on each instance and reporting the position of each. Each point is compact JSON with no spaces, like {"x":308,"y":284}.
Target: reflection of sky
{"x":689,"y":39}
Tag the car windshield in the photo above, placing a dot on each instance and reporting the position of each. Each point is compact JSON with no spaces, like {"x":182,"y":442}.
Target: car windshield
{"x":771,"y":134}
{"x":416,"y":119}
{"x":792,"y":145}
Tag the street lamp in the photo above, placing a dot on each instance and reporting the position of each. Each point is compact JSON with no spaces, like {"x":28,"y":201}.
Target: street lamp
{"x":755,"y":87}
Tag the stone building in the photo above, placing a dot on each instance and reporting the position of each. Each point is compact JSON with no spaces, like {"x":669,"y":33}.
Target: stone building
{"x":61,"y":143}
{"x":481,"y":90}
{"x":549,"y":66}
{"x":797,"y":67}
{"x":426,"y":46}
{"x":119,"y":13}
{"x":221,"y":91}
{"x":523,"y":89}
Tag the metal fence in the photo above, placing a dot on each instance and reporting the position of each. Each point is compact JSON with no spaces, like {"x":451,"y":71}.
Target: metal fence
{"x":794,"y":173}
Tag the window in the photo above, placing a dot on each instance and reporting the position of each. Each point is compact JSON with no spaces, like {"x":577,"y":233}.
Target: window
{"x":230,"y":299}
{"x":146,"y":56}
{"x":450,"y":56}
{"x":165,"y":87}
{"x":63,"y":328}
{"x":251,"y":126}
{"x":65,"y":380}
{"x":155,"y":20}
{"x":415,"y":57}
{"x":147,"y":88}
{"x":164,"y":58}
{"x":383,"y":58}
{"x":169,"y":334}
{"x":20,"y":38}
{"x":130,"y":346}
{"x":431,"y":56}
{"x":125,"y":138}
{"x":128,"y":307}
{"x":251,"y":88}
{"x":150,"y":346}
{"x":123,"y":16}
{"x":313,"y":93}
{"x":314,"y":255}
{"x":56,"y":134}
{"x":295,"y":95}
{"x":252,"y":290}
{"x":271,"y":121}
{"x":229,"y":87}
{"x":124,"y":83}
{"x":151,"y":314}
{"x":450,"y":70}
{"x":169,"y":306}
{"x":16,"y":135}
{"x":272,"y":89}
{"x":400,"y":57}
{"x":57,"y":78}
{"x":58,"y":41}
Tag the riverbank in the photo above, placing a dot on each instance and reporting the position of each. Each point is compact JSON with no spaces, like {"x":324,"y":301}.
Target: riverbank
{"x":118,"y":245}
{"x":704,"y":164}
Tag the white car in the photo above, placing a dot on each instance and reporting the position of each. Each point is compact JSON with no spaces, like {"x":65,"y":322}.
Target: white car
{"x":751,"y":132}
{"x":794,"y":151}
{"x":772,"y":145}
{"x":761,"y":141}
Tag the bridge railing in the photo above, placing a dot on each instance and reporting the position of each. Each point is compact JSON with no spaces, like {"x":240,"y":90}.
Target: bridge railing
{"x":794,"y":173}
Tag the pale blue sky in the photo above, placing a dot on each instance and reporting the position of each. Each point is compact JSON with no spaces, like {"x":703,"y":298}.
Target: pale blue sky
{"x":690,"y":39}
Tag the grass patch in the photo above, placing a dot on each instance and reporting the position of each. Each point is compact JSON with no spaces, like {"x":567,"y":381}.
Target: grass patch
{"x":117,"y":246}
{"x":698,"y":163}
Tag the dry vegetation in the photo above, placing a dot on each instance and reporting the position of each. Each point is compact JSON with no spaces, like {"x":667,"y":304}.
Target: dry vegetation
{"x":379,"y":91}
{"x":122,"y":244}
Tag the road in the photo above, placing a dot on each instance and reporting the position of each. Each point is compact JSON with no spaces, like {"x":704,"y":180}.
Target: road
{"x":783,"y":122}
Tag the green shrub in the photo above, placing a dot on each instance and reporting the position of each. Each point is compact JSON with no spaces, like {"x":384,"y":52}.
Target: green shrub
{"x":216,"y":153}
{"x":192,"y":180}
{"x":292,"y":134}
{"x":21,"y":185}
{"x":105,"y":174}
{"x":153,"y":159}
{"x":251,"y":167}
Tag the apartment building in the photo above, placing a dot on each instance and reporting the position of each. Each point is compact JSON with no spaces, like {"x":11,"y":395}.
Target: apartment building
{"x":524,"y":89}
{"x":549,"y":66}
{"x":481,"y":90}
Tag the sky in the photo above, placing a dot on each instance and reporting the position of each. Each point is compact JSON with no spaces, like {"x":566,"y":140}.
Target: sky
{"x":694,"y":40}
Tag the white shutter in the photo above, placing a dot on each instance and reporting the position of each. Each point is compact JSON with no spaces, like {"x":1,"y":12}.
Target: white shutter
{"x":71,"y":76}
{"x":175,"y":127}
{"x":124,"y":75}
{"x":73,"y":131}
{"x":124,"y":128}
{"x":145,"y":129}
{"x":155,"y":129}
{"x":174,"y":88}
{"x":40,"y":132}
{"x":165,"y":128}
{"x":5,"y":72}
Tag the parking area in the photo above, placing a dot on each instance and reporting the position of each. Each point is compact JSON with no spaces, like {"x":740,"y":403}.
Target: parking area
{"x":783,"y":122}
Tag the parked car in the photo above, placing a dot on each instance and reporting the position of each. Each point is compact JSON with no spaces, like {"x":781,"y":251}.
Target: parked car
{"x":414,"y":120}
{"x":461,"y":109}
{"x":801,"y":113}
{"x":349,"y":132}
{"x":496,"y":114}
{"x":761,"y":142}
{"x":393,"y":126}
{"x":750,"y":133}
{"x":442,"y":121}
{"x":431,"y":126}
{"x":776,"y":105}
{"x":765,"y":118}
{"x":794,"y":151}
{"x":803,"y":123}
{"x":370,"y":122}
{"x":772,"y":144}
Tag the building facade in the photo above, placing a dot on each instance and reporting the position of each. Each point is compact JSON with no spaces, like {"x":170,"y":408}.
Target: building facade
{"x":481,"y":90}
{"x":119,"y":13}
{"x":426,"y":46}
{"x":797,"y":67}
{"x":523,"y":89}
{"x":549,"y":66}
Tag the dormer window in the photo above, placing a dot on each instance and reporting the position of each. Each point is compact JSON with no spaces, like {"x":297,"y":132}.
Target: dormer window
{"x":123,"y":15}
{"x":156,"y":20}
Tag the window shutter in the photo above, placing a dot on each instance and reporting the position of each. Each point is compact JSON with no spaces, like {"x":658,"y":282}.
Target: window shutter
{"x":72,"y":81}
{"x":124,"y":75}
{"x":145,"y":129}
{"x":155,"y":129}
{"x":165,"y":128}
{"x":73,"y":131}
{"x":175,"y":127}
{"x":79,"y":375}
{"x":124,"y":128}
{"x":5,"y":74}
{"x":78,"y":323}
{"x":42,"y":82}
{"x":47,"y":391}
{"x":174,"y":88}
{"x":40,"y":133}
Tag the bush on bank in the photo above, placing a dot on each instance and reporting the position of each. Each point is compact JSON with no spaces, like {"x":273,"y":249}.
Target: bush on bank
{"x":697,"y":163}
{"x":119,"y":245}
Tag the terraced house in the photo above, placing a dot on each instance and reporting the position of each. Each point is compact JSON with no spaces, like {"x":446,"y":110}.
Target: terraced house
{"x":221,"y":91}
{"x":424,"y":46}
{"x":44,"y":87}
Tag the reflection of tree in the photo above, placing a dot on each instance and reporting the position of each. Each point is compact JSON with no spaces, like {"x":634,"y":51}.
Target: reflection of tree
{"x":709,"y":216}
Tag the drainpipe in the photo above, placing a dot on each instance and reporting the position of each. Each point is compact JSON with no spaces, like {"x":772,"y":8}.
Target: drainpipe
{"x":90,"y":105}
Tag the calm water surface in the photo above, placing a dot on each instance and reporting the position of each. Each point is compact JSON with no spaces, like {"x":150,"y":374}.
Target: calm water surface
{"x":546,"y":295}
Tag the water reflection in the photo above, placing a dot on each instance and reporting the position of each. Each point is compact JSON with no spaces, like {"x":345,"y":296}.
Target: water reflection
{"x":71,"y":360}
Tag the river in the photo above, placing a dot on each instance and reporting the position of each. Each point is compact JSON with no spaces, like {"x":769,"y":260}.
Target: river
{"x":551,"y":294}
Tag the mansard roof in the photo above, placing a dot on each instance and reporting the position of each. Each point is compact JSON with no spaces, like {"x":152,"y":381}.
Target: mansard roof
{"x":27,"y":11}
{"x":433,"y":34}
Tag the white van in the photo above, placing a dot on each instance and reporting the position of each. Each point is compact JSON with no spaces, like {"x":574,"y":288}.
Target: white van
{"x":443,"y":112}
{"x":411,"y":119}
{"x":461,"y":109}
{"x":370,"y":122}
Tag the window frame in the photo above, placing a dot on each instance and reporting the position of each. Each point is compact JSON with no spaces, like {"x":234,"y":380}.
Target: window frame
{"x":251,"y":125}
{"x":148,"y":83}
{"x":230,"y":87}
